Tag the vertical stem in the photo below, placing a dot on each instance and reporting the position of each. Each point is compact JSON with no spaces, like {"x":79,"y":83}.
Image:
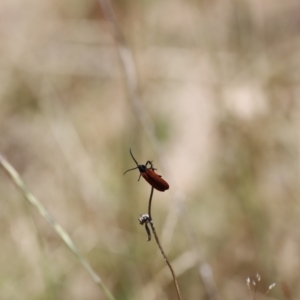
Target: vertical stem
{"x":160,"y":247}
{"x":150,"y":202}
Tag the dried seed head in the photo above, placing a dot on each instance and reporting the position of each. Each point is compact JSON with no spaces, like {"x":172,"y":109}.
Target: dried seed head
{"x":248,"y":281}
{"x":143,"y":219}
{"x":271,"y":286}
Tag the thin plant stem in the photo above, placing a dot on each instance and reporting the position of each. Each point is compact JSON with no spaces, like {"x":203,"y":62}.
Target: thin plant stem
{"x":160,"y":247}
{"x":18,"y":181}
{"x":150,"y":203}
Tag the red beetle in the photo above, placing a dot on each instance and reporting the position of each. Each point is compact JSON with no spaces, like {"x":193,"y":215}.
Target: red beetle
{"x":150,"y":176}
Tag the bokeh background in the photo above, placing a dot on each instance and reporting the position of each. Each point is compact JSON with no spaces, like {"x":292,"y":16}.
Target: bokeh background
{"x":218,"y":112}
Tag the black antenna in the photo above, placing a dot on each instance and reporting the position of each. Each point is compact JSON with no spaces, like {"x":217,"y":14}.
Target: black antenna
{"x":138,"y":167}
{"x":130,"y":170}
{"x":133,"y":157}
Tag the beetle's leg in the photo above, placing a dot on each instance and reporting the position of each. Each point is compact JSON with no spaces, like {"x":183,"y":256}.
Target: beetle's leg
{"x":151,"y":164}
{"x":140,"y":176}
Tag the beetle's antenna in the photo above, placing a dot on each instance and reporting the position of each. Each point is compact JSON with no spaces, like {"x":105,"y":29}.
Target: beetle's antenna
{"x":133,"y":157}
{"x":135,"y":162}
{"x":130,"y":170}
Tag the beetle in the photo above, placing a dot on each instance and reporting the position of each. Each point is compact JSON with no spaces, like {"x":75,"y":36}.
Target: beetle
{"x":149,"y":175}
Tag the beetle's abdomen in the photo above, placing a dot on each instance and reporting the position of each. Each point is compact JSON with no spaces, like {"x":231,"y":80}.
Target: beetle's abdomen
{"x":155,"y":180}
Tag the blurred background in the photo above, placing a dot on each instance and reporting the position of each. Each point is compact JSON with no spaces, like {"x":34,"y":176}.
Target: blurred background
{"x":216,"y":109}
